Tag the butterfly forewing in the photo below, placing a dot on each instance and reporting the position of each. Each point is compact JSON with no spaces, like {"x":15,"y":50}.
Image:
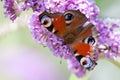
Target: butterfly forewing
{"x":54,"y":23}
{"x":59,"y":24}
{"x":74,"y":19}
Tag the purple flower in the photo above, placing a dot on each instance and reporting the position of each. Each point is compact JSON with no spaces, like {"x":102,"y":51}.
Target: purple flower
{"x":108,"y":41}
{"x":10,"y":10}
{"x":14,"y":7}
{"x":90,"y":9}
{"x":46,"y":38}
{"x":109,"y":37}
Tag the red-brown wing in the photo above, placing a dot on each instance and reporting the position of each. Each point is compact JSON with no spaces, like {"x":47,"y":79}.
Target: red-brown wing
{"x":54,"y":23}
{"x":74,"y":19}
{"x":85,"y":41}
{"x":59,"y":24}
{"x":81,"y":48}
{"x":86,"y":32}
{"x":65,"y":23}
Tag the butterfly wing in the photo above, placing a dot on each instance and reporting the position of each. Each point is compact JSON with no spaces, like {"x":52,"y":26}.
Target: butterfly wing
{"x":59,"y":24}
{"x":74,"y":19}
{"x":83,"y":46}
{"x":86,"y":32}
{"x":85,"y":40}
{"x":54,"y":23}
{"x":69,"y":26}
{"x":82,"y":53}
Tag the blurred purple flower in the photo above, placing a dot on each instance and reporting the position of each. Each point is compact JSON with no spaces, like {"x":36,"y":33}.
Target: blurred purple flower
{"x":18,"y":62}
{"x":12,"y":8}
{"x":9,"y":6}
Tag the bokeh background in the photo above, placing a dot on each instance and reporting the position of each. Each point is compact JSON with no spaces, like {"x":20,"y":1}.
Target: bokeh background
{"x":21,"y":58}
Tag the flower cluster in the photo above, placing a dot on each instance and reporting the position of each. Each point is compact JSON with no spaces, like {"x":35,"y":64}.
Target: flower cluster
{"x":46,"y":38}
{"x":13,"y":7}
{"x":108,"y":38}
{"x":10,"y":9}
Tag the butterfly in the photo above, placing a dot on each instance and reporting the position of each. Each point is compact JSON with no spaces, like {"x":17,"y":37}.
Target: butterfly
{"x":73,"y":27}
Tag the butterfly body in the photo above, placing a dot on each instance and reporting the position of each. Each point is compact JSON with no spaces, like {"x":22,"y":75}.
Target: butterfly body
{"x":70,"y":27}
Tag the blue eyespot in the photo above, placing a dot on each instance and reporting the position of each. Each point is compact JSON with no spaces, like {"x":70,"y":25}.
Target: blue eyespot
{"x":86,"y":62}
{"x":91,"y":40}
{"x":46,"y":20}
{"x":68,"y":17}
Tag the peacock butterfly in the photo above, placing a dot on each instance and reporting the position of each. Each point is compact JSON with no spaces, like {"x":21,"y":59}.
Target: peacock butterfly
{"x":73,"y":27}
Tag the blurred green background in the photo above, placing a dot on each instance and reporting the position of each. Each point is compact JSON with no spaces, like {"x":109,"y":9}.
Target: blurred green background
{"x":21,"y":58}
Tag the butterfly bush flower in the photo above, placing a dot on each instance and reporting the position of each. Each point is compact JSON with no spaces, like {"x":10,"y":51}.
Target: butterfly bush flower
{"x":109,"y":37}
{"x":108,"y":42}
{"x":46,"y":38}
{"x":10,"y":10}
